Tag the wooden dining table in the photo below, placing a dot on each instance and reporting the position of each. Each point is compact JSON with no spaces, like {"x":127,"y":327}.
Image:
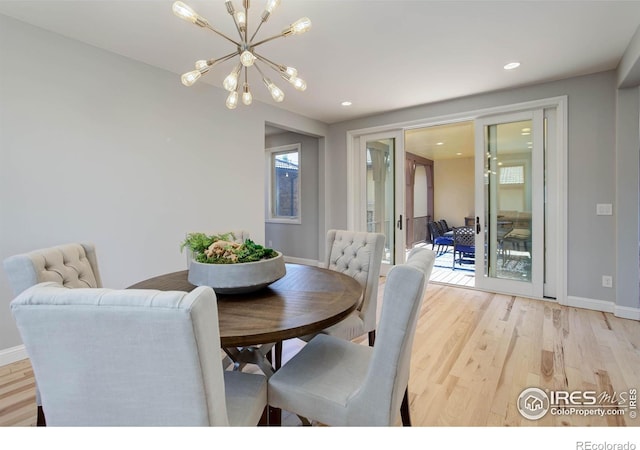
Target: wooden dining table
{"x":305,"y":301}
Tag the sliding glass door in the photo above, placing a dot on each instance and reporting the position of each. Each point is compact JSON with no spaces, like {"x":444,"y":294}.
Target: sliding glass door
{"x":510,"y":203}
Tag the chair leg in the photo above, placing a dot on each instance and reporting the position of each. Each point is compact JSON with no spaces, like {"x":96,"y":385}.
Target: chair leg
{"x":404,"y":409}
{"x":372,"y":337}
{"x":40,"y":420}
{"x":278,"y":356}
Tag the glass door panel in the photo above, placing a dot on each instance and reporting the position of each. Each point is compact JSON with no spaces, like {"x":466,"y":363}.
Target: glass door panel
{"x":382,"y":160}
{"x":509,"y":167}
{"x":380,"y":192}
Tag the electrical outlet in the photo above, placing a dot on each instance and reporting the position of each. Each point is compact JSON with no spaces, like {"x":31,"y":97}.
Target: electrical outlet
{"x":604,"y":209}
{"x":607,"y":281}
{"x":270,"y":243}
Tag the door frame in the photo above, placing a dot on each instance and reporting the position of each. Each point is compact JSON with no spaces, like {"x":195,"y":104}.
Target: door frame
{"x":559,"y":172}
{"x":357,"y":190}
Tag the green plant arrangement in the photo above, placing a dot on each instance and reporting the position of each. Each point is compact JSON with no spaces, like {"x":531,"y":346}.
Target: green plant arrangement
{"x":224,"y":249}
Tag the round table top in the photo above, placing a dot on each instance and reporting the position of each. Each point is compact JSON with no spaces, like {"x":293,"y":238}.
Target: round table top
{"x":305,"y":301}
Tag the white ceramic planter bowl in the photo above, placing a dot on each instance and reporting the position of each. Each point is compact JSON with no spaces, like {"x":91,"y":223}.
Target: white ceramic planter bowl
{"x":237,"y":278}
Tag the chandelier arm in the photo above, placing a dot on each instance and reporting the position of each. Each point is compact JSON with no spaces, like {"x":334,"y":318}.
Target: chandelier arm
{"x":237,"y":44}
{"x":277,"y":67}
{"x":261,"y":73}
{"x":256,"y":32}
{"x":232,"y":13}
{"x":237,"y":27}
{"x":226,"y":57}
{"x":268,"y":39}
{"x":246,"y":15}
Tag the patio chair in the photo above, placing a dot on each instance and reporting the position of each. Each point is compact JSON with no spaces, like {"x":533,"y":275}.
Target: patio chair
{"x":437,"y":238}
{"x":464,"y":246}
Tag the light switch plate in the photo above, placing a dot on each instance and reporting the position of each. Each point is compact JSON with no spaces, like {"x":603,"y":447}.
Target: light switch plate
{"x":604,"y":209}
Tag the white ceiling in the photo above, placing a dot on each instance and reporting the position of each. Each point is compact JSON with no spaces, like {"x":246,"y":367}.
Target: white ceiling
{"x":450,"y":141}
{"x":380,"y":54}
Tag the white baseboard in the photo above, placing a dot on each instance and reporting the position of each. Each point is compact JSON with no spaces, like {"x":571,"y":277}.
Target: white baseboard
{"x":624,"y":312}
{"x":627,"y":312}
{"x":12,"y":354}
{"x":306,"y":262}
{"x":590,"y":303}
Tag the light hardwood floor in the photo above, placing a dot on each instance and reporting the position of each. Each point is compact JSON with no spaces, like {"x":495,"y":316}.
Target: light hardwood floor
{"x":474,"y":353}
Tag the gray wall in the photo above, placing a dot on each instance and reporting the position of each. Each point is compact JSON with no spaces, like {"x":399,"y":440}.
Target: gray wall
{"x":299,"y":240}
{"x":96,"y":147}
{"x":592,"y":179}
{"x":627,"y":197}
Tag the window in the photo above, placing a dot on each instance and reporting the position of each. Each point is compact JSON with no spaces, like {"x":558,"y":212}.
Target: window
{"x":283,"y":178}
{"x":512,"y":175}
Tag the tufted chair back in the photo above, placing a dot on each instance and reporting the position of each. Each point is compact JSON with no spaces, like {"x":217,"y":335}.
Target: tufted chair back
{"x":72,"y":265}
{"x":359,"y":255}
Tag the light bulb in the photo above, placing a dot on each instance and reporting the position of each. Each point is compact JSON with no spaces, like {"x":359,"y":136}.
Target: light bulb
{"x":190,"y":77}
{"x":241,"y":18}
{"x":298,"y":83}
{"x":247,"y":59}
{"x":301,"y":26}
{"x":276,"y":92}
{"x":231,"y":82}
{"x":185,"y":12}
{"x":291,"y":71}
{"x":271,"y":5}
{"x":247,"y":98}
{"x":232,"y":100}
{"x":202,"y":64}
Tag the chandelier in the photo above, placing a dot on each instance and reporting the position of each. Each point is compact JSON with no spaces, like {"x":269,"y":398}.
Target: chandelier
{"x":246,"y":51}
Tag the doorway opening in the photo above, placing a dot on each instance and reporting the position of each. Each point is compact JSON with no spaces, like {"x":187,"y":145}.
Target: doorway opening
{"x":439,"y":163}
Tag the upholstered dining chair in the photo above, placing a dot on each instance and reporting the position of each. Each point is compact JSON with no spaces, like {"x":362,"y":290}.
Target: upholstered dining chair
{"x":359,"y":255}
{"x":74,"y":265}
{"x":133,"y":358}
{"x":341,"y":383}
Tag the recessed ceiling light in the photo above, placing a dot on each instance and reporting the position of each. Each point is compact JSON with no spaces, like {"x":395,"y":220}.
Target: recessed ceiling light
{"x":439,"y":143}
{"x":346,"y":103}
{"x":458,"y":154}
{"x":526,"y":129}
{"x":525,"y":133}
{"x":511,"y":65}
